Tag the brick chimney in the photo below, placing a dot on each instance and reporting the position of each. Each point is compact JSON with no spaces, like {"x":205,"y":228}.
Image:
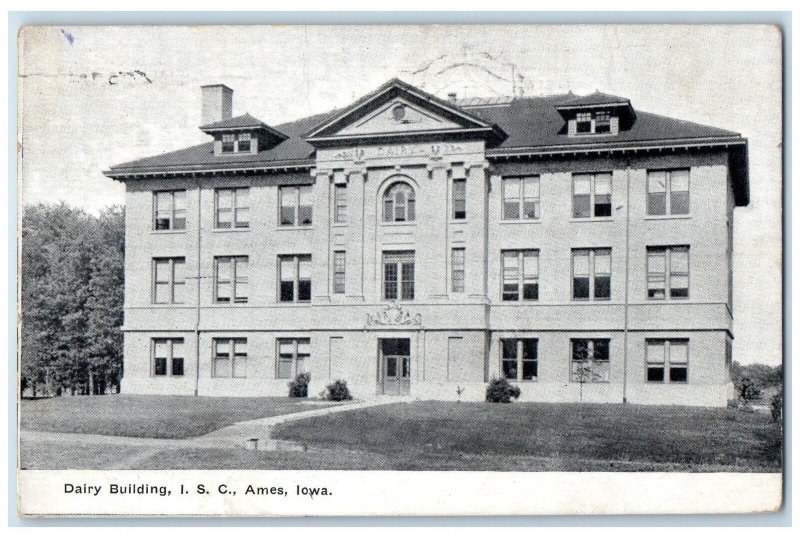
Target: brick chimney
{"x":217,"y":103}
{"x":452,"y":97}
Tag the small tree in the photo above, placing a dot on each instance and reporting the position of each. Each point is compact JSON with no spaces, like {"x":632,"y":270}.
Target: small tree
{"x":501,"y":391}
{"x":298,"y":387}
{"x":583,"y":371}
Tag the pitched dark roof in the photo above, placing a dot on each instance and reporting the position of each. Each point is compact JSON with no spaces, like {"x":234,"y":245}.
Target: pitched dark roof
{"x":535,"y":122}
{"x":239,"y":122}
{"x":532,"y":125}
{"x":294,"y":151}
{"x":596,"y":98}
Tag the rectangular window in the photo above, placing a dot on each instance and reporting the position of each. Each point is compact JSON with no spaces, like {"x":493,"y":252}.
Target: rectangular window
{"x":340,"y":203}
{"x":398,"y":275}
{"x":590,"y":360}
{"x":520,"y":275}
{"x":591,"y":195}
{"x":230,"y":357}
{"x":602,"y":122}
{"x":228,"y":143}
{"x":583,"y":122}
{"x":295,"y":278}
{"x":232,"y":208}
{"x":169,"y":280}
{"x":667,"y":360}
{"x":591,"y":273}
{"x":519,"y":358}
{"x":668,"y":272}
{"x":168,"y":356}
{"x":293,"y":357}
{"x":231,"y":279}
{"x":459,"y":199}
{"x":339,"y":262}
{"x":296,"y":205}
{"x":244,"y":142}
{"x":169,"y":210}
{"x":521,"y":198}
{"x":457,"y":263}
{"x":668,"y":192}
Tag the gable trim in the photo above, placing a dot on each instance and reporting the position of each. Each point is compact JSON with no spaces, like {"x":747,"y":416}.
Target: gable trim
{"x":318,"y":132}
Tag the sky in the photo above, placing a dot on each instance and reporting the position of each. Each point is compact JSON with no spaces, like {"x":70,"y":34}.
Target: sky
{"x":97,"y":96}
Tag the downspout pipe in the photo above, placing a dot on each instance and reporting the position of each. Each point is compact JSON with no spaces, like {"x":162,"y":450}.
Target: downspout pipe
{"x":627,"y":281}
{"x":197,"y":305}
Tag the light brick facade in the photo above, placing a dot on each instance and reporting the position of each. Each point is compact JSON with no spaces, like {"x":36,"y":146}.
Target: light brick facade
{"x":454,"y":338}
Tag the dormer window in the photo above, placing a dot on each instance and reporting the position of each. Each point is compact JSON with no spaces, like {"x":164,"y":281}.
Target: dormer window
{"x":602,"y":122}
{"x":228,"y":141}
{"x":596,"y":114}
{"x":593,"y":122}
{"x":236,"y":143}
{"x":244,"y":143}
{"x":242,"y":134}
{"x":583,"y":123}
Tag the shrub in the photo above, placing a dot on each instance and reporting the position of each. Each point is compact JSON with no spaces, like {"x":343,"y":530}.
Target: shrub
{"x":338,"y":391}
{"x":747,"y":389}
{"x":501,"y":391}
{"x":776,"y":406}
{"x":298,"y":388}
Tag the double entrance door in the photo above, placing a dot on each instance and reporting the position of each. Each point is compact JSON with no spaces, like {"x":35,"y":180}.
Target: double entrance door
{"x":395,"y":365}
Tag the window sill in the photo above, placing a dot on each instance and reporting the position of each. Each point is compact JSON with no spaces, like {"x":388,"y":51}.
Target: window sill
{"x":667,"y":217}
{"x":667,"y":382}
{"x":573,"y":382}
{"x":581,"y":301}
{"x":592,"y":135}
{"x":295,"y":228}
{"x":592,"y":219}
{"x":230,"y":230}
{"x":521,"y":221}
{"x":168,"y":232}
{"x":294,"y":303}
{"x":399,"y":224}
{"x":522,"y":380}
{"x":667,"y":301}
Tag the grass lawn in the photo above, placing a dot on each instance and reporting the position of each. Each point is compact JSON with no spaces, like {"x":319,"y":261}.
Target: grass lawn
{"x":172,"y":417}
{"x":538,"y":436}
{"x":463,"y":436}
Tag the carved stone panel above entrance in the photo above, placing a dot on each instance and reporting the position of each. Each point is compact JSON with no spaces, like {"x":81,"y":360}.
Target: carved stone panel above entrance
{"x":394,"y":314}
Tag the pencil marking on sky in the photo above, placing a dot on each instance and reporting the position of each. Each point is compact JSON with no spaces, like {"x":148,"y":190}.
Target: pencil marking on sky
{"x":112,"y":78}
{"x":68,"y":36}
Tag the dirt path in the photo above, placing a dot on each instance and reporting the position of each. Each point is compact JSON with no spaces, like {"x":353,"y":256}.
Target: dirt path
{"x":234,"y":435}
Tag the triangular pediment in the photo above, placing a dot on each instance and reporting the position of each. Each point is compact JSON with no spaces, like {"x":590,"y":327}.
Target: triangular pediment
{"x":398,"y":110}
{"x":398,"y":116}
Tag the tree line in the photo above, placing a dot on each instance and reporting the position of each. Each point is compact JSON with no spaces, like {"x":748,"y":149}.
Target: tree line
{"x":72,"y":268}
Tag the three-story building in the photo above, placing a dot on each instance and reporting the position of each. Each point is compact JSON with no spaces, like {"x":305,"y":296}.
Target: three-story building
{"x":413,"y":245}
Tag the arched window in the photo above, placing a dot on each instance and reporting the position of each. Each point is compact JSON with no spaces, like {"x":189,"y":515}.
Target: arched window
{"x":399,"y":203}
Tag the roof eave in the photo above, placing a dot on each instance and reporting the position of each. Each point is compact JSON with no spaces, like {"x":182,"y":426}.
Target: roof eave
{"x":190,"y":171}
